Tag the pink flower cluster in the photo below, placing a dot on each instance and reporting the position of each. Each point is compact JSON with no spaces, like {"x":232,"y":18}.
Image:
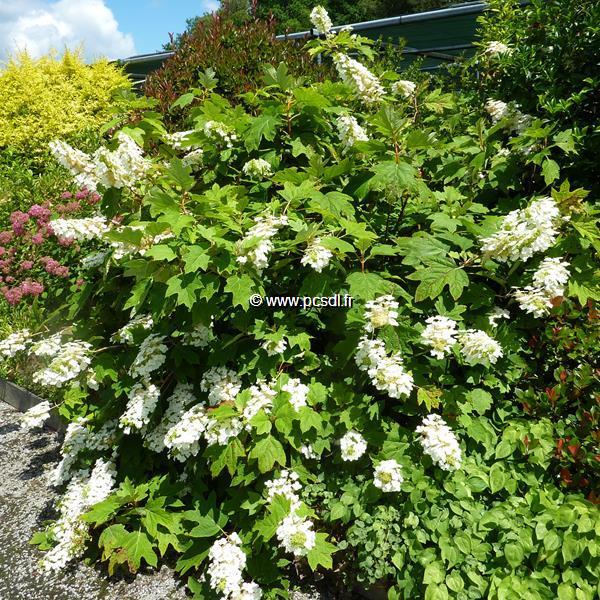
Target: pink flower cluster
{"x":19,"y":254}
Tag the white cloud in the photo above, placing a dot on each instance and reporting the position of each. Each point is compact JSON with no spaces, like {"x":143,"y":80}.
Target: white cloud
{"x":39,"y":25}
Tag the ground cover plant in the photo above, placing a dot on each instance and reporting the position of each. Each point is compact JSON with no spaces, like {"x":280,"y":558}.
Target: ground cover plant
{"x":437,"y":438}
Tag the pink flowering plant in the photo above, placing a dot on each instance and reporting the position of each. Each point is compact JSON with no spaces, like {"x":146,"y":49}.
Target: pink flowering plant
{"x":383,"y":442}
{"x":34,"y":258}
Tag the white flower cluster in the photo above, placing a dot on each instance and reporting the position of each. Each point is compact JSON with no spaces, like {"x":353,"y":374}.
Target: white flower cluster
{"x":183,"y":436}
{"x":316,"y":256}
{"x":353,"y":446}
{"x":222,"y":385}
{"x":125,"y":334}
{"x":123,"y":167}
{"x":80,"y":229}
{"x":216,"y":130}
{"x":524,"y":232}
{"x":93,"y":260}
{"x":496,"y":314}
{"x":261,"y":397}
{"x":69,"y":531}
{"x":388,"y":476}
{"x":256,"y":244}
{"x":387,"y":373}
{"x":178,"y":139}
{"x":258,"y":168}
{"x":71,"y":359}
{"x":298,"y":392}
{"x":549,"y":282}
{"x":296,"y":534}
{"x":308,"y":452}
{"x":380,"y":312}
{"x":477,"y":347}
{"x":404,"y":88}
{"x":143,"y":398}
{"x":199,"y":337}
{"x":510,"y":113}
{"x":193,"y":157}
{"x":221,"y":431}
{"x":319,"y":17}
{"x":439,"y":442}
{"x":15,"y":342}
{"x":350,"y":131}
{"x":36,"y":416}
{"x":440,"y":334}
{"x":227,"y":562}
{"x":274,"y":347}
{"x":359,"y":78}
{"x":286,"y":485}
{"x":48,"y":347}
{"x":494,"y":48}
{"x":151,"y":356}
{"x":77,"y":438}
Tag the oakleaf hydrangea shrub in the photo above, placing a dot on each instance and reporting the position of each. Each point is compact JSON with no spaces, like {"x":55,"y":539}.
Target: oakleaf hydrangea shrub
{"x":384,"y":442}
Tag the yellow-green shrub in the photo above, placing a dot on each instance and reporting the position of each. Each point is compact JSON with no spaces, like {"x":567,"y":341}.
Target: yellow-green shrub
{"x":51,"y":97}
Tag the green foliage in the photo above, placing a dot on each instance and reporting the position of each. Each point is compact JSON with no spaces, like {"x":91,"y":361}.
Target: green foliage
{"x":403,"y":213}
{"x":48,"y":98}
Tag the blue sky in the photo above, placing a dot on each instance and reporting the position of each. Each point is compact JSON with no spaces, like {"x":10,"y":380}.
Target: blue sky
{"x":150,"y":21}
{"x":108,"y":28}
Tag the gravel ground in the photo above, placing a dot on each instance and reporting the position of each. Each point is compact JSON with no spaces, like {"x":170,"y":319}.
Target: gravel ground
{"x":26,"y":501}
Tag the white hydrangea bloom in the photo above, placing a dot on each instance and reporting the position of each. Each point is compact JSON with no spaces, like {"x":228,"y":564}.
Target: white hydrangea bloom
{"x":15,"y":342}
{"x":380,"y":312}
{"x":359,"y":78}
{"x":183,"y":436}
{"x":439,"y":442}
{"x":227,"y":562}
{"x":222,"y":385}
{"x":308,"y":452}
{"x":515,"y":119}
{"x":151,"y":356}
{"x":93,"y":260}
{"x":296,"y":535}
{"x":143,"y":398}
{"x":388,"y":476}
{"x":180,"y":399}
{"x":78,"y":163}
{"x":193,"y":158}
{"x":199,"y":337}
{"x":552,"y":275}
{"x":404,"y":88}
{"x":319,"y":17}
{"x":353,"y":446}
{"x":91,"y":381}
{"x":274,"y":347}
{"x":258,"y":168}
{"x":125,"y":334}
{"x":316,"y":256}
{"x":256,"y":245}
{"x":298,"y":392}
{"x":82,"y":230}
{"x":286,"y":485}
{"x":261,"y":397}
{"x":220,"y":432}
{"x":391,"y":377}
{"x":440,"y":334}
{"x":350,"y":131}
{"x":477,"y":347}
{"x":179,"y":139}
{"x":524,"y":232}
{"x":534,"y":300}
{"x":369,"y":353}
{"x":72,"y":359}
{"x":495,"y":48}
{"x":220,"y":132}
{"x":70,"y":532}
{"x":48,"y":347}
{"x":36,"y":416}
{"x":496,"y":314}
